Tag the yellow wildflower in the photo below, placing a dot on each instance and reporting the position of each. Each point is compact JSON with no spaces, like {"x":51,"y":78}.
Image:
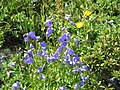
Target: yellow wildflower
{"x":58,"y":32}
{"x":81,"y":59}
{"x":87,"y":13}
{"x":79,"y":24}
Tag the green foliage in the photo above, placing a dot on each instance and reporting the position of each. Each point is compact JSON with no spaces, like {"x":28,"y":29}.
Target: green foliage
{"x":99,"y":42}
{"x":1,"y":38}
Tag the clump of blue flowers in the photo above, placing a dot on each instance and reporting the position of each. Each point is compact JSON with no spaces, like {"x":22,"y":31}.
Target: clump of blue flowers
{"x":69,"y":58}
{"x":49,"y":27}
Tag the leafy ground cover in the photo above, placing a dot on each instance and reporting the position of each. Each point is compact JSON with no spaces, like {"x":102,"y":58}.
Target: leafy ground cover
{"x":60,"y":44}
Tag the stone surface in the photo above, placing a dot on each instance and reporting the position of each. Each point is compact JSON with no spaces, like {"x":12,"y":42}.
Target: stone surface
{"x":5,"y":54}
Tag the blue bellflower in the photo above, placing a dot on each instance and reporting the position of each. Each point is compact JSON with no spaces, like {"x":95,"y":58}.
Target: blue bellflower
{"x":29,"y":35}
{"x":30,"y":52}
{"x":79,"y":63}
{"x":75,"y":70}
{"x":84,"y":68}
{"x":12,"y":63}
{"x":77,"y":42}
{"x":76,"y":58}
{"x":59,"y":49}
{"x":40,"y":54}
{"x":111,"y":22}
{"x":28,"y":60}
{"x":64,"y":44}
{"x":50,"y":59}
{"x":49,"y":22}
{"x":49,"y":31}
{"x":38,"y":38}
{"x":26,"y":39}
{"x":16,"y":86}
{"x":72,"y":23}
{"x":67,"y":57}
{"x":42,"y":77}
{"x":67,"y":17}
{"x":82,"y":83}
{"x":32,"y":35}
{"x":43,"y":48}
{"x":25,"y":35}
{"x":40,"y":69}
{"x":56,"y":56}
{"x":45,"y":54}
{"x":76,"y":86}
{"x":65,"y":37}
{"x":71,"y":63}
{"x":62,"y":88}
{"x":34,"y":0}
{"x":70,"y":51}
{"x":43,"y":44}
{"x":31,"y":46}
{"x":111,"y":80}
{"x":64,"y":28}
{"x":83,"y":78}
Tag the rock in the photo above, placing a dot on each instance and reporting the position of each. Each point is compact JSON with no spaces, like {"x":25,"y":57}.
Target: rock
{"x":5,"y":54}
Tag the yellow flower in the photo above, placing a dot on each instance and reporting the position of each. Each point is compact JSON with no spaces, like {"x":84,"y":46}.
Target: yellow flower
{"x":58,"y":32}
{"x":81,"y":59}
{"x":79,"y":24}
{"x":87,"y":13}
